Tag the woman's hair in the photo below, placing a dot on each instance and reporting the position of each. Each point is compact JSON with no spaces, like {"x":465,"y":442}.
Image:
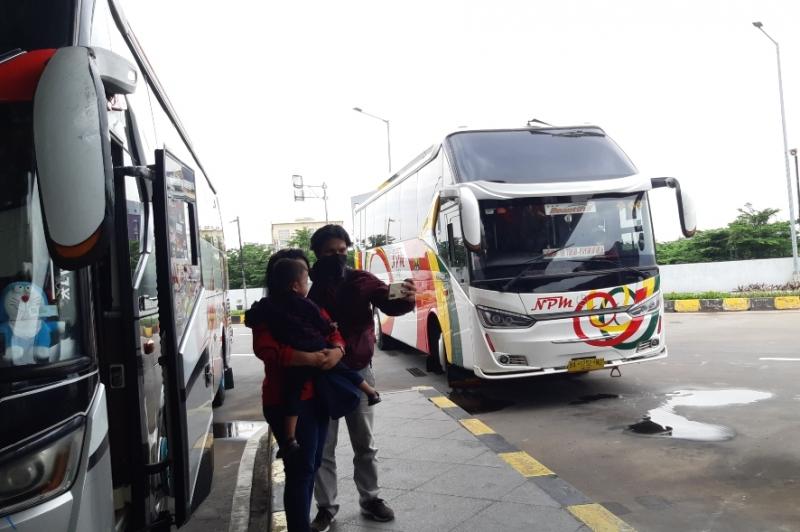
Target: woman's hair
{"x":325,"y":233}
{"x":286,"y":253}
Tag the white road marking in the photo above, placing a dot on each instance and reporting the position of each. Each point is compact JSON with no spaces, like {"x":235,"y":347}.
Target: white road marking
{"x":242,"y":355}
{"x":242,"y":334}
{"x":781,"y":359}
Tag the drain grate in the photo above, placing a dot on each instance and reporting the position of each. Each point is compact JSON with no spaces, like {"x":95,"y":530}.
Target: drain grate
{"x":416,"y":372}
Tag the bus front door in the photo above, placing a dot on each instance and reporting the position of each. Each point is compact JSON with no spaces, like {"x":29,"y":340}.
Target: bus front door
{"x":188,"y":378}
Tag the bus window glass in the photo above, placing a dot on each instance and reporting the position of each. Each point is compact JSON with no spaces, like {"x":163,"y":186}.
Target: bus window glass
{"x":408,"y":208}
{"x":427,"y":180}
{"x":377,"y":223}
{"x":40,"y":322}
{"x":565,"y":238}
{"x":393,"y":219}
{"x":539,"y":155}
{"x":136,"y":221}
{"x":35,"y":24}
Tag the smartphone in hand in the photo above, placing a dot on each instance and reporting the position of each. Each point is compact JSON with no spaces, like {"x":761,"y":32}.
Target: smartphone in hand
{"x":396,"y":291}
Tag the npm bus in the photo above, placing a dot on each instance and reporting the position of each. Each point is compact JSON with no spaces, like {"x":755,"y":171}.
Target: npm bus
{"x":532,"y":250}
{"x":112,"y":281}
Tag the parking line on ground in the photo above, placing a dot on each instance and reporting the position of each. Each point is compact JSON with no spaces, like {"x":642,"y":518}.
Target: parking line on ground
{"x":525,"y":464}
{"x":593,"y":515}
{"x":476,"y":426}
{"x":781,"y":359}
{"x":443,"y":402}
{"x":598,"y":518}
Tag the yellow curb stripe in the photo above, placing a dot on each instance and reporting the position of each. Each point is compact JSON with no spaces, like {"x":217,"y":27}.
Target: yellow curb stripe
{"x":787,"y":302}
{"x":687,"y":305}
{"x":443,"y":402}
{"x":525,"y":464}
{"x":599,"y":519}
{"x":736,"y":303}
{"x":279,"y":522}
{"x":477,"y":427}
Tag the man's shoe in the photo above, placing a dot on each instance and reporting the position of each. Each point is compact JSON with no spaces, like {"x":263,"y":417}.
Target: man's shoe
{"x":377,"y":510}
{"x":322,"y":522}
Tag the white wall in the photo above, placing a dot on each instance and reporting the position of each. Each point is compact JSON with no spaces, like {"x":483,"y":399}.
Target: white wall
{"x":724,"y":276}
{"x":236,"y":297}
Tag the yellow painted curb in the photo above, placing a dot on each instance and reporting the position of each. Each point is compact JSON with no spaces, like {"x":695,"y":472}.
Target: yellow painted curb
{"x":599,"y":519}
{"x":687,"y":305}
{"x":787,"y":302}
{"x":443,"y":402}
{"x":279,"y":522}
{"x":148,"y":332}
{"x":477,"y":427}
{"x":736,"y":303}
{"x":525,"y":464}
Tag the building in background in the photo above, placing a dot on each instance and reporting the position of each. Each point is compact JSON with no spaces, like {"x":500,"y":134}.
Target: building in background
{"x":283,"y":232}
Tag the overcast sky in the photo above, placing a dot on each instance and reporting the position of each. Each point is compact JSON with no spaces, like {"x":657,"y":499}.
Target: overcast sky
{"x":266,"y":90}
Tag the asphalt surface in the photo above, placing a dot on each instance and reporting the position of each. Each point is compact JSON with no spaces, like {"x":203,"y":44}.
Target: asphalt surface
{"x":744,"y":475}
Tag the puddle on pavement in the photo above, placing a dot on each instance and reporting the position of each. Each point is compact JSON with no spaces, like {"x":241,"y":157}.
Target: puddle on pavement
{"x":237,"y":430}
{"x":478,"y":403}
{"x":665,"y":422}
{"x":585,"y":399}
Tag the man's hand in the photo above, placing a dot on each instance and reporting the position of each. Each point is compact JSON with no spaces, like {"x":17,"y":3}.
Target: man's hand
{"x":409,"y":290}
{"x":332,"y":357}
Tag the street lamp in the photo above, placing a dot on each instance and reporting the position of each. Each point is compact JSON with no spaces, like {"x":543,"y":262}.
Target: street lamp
{"x":793,"y":231}
{"x":388,"y":137}
{"x":241,"y":260}
{"x":793,"y":153}
{"x":300,"y":192}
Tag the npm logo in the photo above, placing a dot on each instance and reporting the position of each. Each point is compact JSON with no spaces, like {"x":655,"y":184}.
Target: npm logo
{"x":553,"y":303}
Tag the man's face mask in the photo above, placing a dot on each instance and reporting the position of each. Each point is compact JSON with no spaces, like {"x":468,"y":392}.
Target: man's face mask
{"x":332,"y":266}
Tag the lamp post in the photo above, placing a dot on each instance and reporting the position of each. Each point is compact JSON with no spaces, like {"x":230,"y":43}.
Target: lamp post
{"x":300,"y":192}
{"x":793,"y":231}
{"x":388,"y":136}
{"x":241,"y":261}
{"x":793,"y":153}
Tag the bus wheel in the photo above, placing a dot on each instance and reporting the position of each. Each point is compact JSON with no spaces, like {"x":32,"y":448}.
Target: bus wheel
{"x":382,"y":341}
{"x":437,"y":360}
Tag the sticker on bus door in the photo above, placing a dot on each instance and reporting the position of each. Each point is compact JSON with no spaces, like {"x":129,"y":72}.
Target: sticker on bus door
{"x":186,"y":375}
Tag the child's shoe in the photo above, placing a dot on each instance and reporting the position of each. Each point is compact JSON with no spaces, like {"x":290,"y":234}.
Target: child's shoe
{"x":373,"y":400}
{"x":288,"y":448}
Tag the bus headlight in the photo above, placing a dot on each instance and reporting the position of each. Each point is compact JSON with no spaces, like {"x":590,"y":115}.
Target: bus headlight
{"x":648,"y":306}
{"x":41,"y":469}
{"x":492,"y":318}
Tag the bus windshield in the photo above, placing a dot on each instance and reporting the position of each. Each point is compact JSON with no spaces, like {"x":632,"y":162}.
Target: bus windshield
{"x":548,"y":241}
{"x":39,"y":319}
{"x":537,"y":155}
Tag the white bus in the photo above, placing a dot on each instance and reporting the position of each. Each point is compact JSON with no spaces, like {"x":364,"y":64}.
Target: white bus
{"x":112,"y":279}
{"x":532,"y":250}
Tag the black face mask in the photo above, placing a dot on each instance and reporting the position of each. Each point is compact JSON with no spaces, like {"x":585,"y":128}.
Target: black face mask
{"x":330,"y":267}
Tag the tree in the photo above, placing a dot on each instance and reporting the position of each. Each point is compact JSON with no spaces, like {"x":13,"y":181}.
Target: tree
{"x":255,"y":263}
{"x":302,"y":240}
{"x":750,"y":236}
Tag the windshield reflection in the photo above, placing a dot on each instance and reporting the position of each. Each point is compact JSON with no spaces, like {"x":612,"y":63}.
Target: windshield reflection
{"x":547,"y":240}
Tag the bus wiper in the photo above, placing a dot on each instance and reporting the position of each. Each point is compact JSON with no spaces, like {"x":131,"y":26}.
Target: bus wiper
{"x":568,"y":133}
{"x":529,"y":263}
{"x":609,"y":261}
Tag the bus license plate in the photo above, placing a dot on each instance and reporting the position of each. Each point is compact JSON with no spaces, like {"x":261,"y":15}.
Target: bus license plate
{"x":585,"y":364}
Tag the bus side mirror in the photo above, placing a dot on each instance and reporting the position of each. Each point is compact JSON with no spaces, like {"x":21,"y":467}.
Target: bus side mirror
{"x":470,"y":214}
{"x":686,"y":209}
{"x":73,"y":150}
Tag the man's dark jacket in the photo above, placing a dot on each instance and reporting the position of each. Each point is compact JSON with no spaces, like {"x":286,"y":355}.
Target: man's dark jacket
{"x":349,"y":301}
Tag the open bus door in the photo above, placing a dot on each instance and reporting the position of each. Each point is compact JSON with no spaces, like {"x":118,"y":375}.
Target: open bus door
{"x":188,"y":381}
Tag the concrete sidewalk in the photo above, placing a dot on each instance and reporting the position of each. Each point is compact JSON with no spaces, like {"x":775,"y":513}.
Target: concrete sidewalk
{"x":441,"y":470}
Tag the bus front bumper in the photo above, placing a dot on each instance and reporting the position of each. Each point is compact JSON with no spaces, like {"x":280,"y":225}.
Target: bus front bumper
{"x":535,"y":372}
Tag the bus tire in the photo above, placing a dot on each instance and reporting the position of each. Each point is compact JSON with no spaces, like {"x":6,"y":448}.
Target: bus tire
{"x":437,"y":360}
{"x":382,"y":341}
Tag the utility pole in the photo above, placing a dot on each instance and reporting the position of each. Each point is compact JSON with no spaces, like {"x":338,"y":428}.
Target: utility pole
{"x":300,"y":192}
{"x":241,"y":260}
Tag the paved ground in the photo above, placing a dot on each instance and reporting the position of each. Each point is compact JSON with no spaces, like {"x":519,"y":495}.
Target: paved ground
{"x":439,"y":476}
{"x":577,"y":426}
